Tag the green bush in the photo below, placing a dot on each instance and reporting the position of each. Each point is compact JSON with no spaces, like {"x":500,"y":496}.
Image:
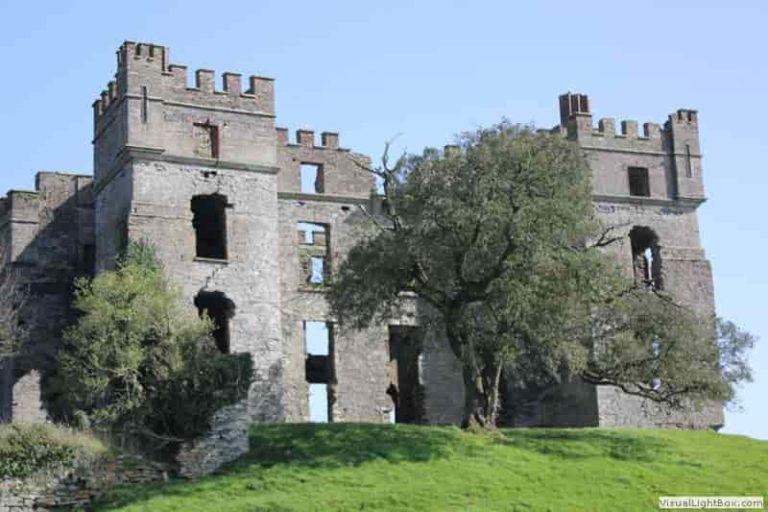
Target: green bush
{"x":141,"y":364}
{"x":27,"y":449}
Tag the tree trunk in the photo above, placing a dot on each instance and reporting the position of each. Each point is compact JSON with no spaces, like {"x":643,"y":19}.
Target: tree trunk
{"x":481,"y":396}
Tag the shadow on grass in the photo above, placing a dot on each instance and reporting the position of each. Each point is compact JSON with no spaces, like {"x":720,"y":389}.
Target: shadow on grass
{"x":348,"y":444}
{"x":313,"y":446}
{"x":588,"y":443}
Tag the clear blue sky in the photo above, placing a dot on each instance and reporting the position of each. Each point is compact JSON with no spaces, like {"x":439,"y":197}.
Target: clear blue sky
{"x":373,"y":70}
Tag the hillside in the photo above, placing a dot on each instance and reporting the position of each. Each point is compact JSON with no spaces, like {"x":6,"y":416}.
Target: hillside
{"x":381,"y":467}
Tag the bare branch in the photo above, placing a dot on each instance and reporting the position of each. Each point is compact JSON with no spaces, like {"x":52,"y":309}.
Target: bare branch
{"x":605,"y":239}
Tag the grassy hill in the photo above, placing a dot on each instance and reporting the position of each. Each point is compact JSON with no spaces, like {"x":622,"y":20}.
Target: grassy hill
{"x":399,"y":468}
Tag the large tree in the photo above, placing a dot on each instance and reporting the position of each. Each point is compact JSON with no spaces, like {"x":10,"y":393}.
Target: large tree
{"x":497,"y":239}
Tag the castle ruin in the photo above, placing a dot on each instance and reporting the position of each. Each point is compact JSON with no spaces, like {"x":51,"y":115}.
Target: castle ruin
{"x":250,"y":222}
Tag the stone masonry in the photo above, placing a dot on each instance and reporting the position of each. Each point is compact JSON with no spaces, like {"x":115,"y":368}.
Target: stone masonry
{"x":249,"y":222}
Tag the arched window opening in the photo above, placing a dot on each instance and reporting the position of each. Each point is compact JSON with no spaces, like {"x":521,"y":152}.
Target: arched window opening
{"x":646,"y":257}
{"x":219,"y":309}
{"x":210,"y":223}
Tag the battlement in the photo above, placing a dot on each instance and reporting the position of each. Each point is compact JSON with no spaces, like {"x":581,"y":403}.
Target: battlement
{"x":684,"y":116}
{"x":306,"y":138}
{"x":22,"y":203}
{"x":45,"y":182}
{"x":576,"y":123}
{"x":146,"y":51}
{"x":144,"y":72}
{"x":606,"y":127}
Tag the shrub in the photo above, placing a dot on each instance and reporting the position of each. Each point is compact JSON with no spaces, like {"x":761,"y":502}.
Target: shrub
{"x":139,"y":363}
{"x":28,"y":449}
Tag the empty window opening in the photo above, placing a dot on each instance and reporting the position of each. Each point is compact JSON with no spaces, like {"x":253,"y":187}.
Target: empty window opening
{"x":638,"y":182}
{"x":206,"y":138}
{"x":311,"y":233}
{"x":318,"y":337}
{"x":317,"y":275}
{"x":219,"y":309}
{"x":312,"y":181}
{"x":656,"y":370}
{"x":88,"y":259}
{"x":210,"y":223}
{"x":144,"y":104}
{"x":406,"y":387}
{"x":688,"y":164}
{"x":646,"y":257}
{"x":313,"y":253}
{"x":318,"y":403}
{"x":122,"y":236}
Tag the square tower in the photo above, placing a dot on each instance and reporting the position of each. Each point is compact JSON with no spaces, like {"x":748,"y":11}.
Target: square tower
{"x":192,"y":170}
{"x":648,"y":186}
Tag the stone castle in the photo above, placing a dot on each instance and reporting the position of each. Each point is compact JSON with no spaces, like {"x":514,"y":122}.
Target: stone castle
{"x":250,"y":222}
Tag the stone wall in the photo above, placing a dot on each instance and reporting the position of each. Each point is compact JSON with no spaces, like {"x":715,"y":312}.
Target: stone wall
{"x":226,"y":441}
{"x":26,"y":404}
{"x":46,"y":236}
{"x":160,"y":213}
{"x":77,"y":489}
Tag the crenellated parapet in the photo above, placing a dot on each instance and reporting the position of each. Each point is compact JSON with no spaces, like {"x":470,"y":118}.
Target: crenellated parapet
{"x":606,"y":127}
{"x":151,"y":107}
{"x":670,"y":152}
{"x":306,"y":138}
{"x":337,"y":171}
{"x":576,"y":122}
{"x":20,"y":205}
{"x":143,"y":70}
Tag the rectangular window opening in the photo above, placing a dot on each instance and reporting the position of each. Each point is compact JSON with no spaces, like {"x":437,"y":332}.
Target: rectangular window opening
{"x":639,"y":184}
{"x":318,"y":403}
{"x":311,"y":233}
{"x":206,"y":138}
{"x":317,"y":275}
{"x":313,"y":252}
{"x":210,"y":223}
{"x":144,"y":104}
{"x":406,"y":387}
{"x":122,"y":236}
{"x":88,"y":259}
{"x":318,"y":341}
{"x":312,"y":181}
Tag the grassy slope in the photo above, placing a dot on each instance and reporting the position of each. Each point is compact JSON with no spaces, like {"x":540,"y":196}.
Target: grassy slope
{"x":370,"y":467}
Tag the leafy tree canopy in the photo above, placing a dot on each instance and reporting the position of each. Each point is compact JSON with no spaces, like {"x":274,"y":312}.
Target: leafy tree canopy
{"x":497,"y":238}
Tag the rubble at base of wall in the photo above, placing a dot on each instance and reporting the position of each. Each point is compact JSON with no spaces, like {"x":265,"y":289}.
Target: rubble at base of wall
{"x":77,"y":489}
{"x":226,"y":441}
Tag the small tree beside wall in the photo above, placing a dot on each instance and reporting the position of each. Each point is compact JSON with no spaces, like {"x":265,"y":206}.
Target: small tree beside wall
{"x":140,"y":364}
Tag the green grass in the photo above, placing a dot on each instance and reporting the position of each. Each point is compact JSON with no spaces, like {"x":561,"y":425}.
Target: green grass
{"x":400,"y":468}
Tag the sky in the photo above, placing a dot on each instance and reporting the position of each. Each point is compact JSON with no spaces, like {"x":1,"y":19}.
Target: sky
{"x":424,"y":72}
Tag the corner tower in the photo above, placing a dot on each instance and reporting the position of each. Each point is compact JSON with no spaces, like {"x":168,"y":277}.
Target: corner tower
{"x":648,"y":186}
{"x":192,"y":170}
